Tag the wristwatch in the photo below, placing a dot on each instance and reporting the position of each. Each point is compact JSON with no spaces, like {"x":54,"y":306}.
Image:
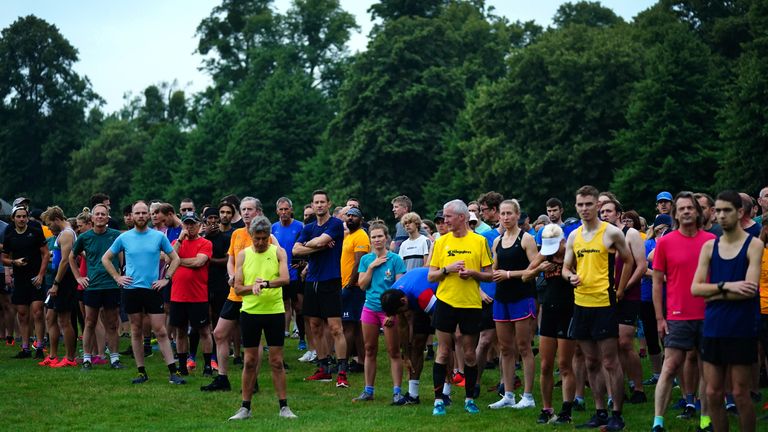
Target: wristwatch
{"x":266,"y":284}
{"x":721,"y":286}
{"x":445,"y":270}
{"x":167,"y":277}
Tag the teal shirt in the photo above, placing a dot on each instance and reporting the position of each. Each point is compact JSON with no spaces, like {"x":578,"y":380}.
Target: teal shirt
{"x":95,"y":246}
{"x":382,"y":279}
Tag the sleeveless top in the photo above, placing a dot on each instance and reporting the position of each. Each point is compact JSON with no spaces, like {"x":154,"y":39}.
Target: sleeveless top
{"x":265,"y":266}
{"x":728,"y":318}
{"x":631,"y":292}
{"x":68,"y":280}
{"x":513,"y":258}
{"x":594,"y":265}
{"x":557,"y":291}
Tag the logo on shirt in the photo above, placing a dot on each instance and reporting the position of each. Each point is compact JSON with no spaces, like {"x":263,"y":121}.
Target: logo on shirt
{"x":581,"y":252}
{"x":454,"y":252}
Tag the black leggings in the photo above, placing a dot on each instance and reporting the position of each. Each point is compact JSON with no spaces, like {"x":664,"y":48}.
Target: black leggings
{"x":648,"y":315}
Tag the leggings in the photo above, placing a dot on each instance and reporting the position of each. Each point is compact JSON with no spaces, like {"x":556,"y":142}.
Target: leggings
{"x":648,"y":316}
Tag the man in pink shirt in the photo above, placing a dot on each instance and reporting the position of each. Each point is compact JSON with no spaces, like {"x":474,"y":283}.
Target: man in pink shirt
{"x":676,"y":256}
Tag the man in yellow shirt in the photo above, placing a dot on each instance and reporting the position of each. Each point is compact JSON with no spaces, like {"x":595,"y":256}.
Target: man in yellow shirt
{"x":356,"y":244}
{"x":460,"y":261}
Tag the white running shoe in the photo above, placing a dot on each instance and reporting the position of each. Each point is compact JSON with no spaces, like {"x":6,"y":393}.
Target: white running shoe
{"x":504,"y":402}
{"x":525,"y":403}
{"x":307,"y":357}
{"x":314,"y":356}
{"x":241,"y":414}
{"x":286,"y":412}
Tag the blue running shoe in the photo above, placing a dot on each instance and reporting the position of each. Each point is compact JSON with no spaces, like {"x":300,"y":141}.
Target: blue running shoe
{"x":470,"y":407}
{"x":439,"y":409}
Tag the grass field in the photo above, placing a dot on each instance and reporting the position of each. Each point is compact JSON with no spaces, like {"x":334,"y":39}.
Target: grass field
{"x":36,"y":398}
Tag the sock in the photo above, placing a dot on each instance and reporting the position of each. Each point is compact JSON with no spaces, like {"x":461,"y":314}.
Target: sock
{"x":86,"y":358}
{"x":567,"y":407}
{"x":142,"y":370}
{"x":369,"y":390}
{"x":114,"y":357}
{"x":438,"y":379}
{"x":325,"y":364}
{"x":25,"y":347}
{"x":343,"y":365}
{"x":300,"y":325}
{"x":704,"y":422}
{"x":246,"y":405}
{"x":446,"y":389}
{"x":631,"y":384}
{"x":729,"y":399}
{"x":580,"y":399}
{"x":509,"y":395}
{"x":283,"y":403}
{"x":183,"y":361}
{"x":658,"y":421}
{"x":396,"y":390}
{"x":413,"y":388}
{"x":147,"y":342}
{"x":194,"y":342}
{"x":602,"y":413}
{"x":172,"y":368}
{"x":207,"y":359}
{"x":616,"y":413}
{"x":656,"y":376}
{"x":528,"y":396}
{"x":470,"y":376}
{"x":689,"y":398}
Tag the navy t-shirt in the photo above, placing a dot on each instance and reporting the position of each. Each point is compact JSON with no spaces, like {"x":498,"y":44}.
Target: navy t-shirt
{"x":325,"y":264}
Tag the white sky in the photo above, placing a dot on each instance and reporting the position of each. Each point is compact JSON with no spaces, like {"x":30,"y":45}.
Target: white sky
{"x":126,"y":46}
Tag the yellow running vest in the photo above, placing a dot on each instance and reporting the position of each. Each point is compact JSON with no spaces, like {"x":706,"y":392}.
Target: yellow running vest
{"x":594,"y":265}
{"x":264,"y":266}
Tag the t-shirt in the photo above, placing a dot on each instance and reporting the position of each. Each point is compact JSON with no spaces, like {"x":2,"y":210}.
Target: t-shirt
{"x":474,"y":251}
{"x":764,"y":283}
{"x":95,"y":246}
{"x":482,"y":227}
{"x":324,"y":264}
{"x":646,"y":283}
{"x":716,"y":229}
{"x":240,"y":240}
{"x":265,"y":266}
{"x":382,"y":278}
{"x":218,"y":279}
{"x":414,"y":251}
{"x":754,"y":230}
{"x":489,"y":288}
{"x":400,"y":236}
{"x":419,"y":291}
{"x":191,"y":284}
{"x":142,"y":255}
{"x":355,"y":242}
{"x":25,"y":245}
{"x":287,"y":236}
{"x":678,"y":257}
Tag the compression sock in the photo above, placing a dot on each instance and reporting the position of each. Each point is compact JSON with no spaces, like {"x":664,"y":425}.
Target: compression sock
{"x":438,"y":379}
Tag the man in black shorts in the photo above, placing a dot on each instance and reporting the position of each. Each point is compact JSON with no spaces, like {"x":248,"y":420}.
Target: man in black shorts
{"x":25,"y":249}
{"x":322,"y":242}
{"x":219,"y":233}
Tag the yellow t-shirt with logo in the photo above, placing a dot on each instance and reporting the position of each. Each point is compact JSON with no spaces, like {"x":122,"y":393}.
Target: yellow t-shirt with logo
{"x":358,"y":241}
{"x":764,"y":283}
{"x":594,"y":265}
{"x":473,"y":249}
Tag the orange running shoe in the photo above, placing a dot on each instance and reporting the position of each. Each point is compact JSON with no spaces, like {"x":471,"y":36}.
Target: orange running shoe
{"x":64,"y":362}
{"x":49,"y":361}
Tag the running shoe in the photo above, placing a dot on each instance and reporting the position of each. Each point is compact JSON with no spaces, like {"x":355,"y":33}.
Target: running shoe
{"x":319,"y":375}
{"x":409,"y":400}
{"x":116,"y":365}
{"x":658,"y":428}
{"x":398,"y":400}
{"x":731,"y":409}
{"x":430,"y":355}
{"x":688,"y":413}
{"x":579,"y":405}
{"x":191,"y":363}
{"x":98,"y":360}
{"x":207,"y":372}
{"x":286,"y":412}
{"x":524,"y":403}
{"x":471,"y":407}
{"x":561,"y":419}
{"x":458,"y":379}
{"x":148,"y":351}
{"x":504,"y":402}
{"x":242,"y":414}
{"x":87,"y":366}
{"x":545,"y":416}
{"x":175,"y":378}
{"x":615,"y":423}
{"x":653,"y":380}
{"x":140,"y":379}
{"x":64,"y":362}
{"x":364,"y":397}
{"x":594,"y":422}
{"x":49,"y":361}
{"x":39,"y":353}
{"x":341,"y":380}
{"x":306,"y":357}
{"x":10,"y":341}
{"x":302,"y":345}
{"x":183,"y":371}
{"x":220,"y":383}
{"x":638,"y":397}
{"x":439,"y":409}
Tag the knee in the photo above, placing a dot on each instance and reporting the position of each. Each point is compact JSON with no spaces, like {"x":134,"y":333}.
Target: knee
{"x":161,"y":333}
{"x":592,"y":364}
{"x":715,"y":392}
{"x":626,"y":344}
{"x":394,"y":353}
{"x":219,"y":335}
{"x":547,"y":367}
{"x":249,"y":363}
{"x":524,"y":348}
{"x":610,"y":364}
{"x":506,"y":349}
{"x":276,"y":364}
{"x":470,"y":359}
{"x":371,"y":350}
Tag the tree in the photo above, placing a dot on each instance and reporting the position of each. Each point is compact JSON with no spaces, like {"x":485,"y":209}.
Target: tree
{"x":157,"y":164}
{"x":587,"y":13}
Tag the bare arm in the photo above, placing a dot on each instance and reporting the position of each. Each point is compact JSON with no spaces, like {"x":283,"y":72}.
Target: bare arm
{"x":530,"y":273}
{"x":637,"y":248}
{"x":66,"y":240}
{"x":106,"y":261}
{"x":353,"y":280}
{"x":569,"y":269}
{"x":734,"y":290}
{"x":196,"y":262}
{"x":617,"y":240}
{"x":239,"y":285}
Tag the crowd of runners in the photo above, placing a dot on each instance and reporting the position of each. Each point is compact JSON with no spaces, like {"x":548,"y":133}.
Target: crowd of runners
{"x":474,"y":287}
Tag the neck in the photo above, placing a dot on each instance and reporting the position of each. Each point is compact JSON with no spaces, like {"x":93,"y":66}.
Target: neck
{"x":225,"y":227}
{"x":591,"y":224}
{"x":286,"y":222}
{"x":689,"y":230}
{"x":619,"y":225}
{"x":140,"y":229}
{"x":512,"y":232}
{"x":323,"y":219}
{"x":559,"y":221}
{"x":734,"y":235}
{"x":99,"y":229}
{"x":413,"y":235}
{"x":381,"y":251}
{"x":21,"y":229}
{"x":460,"y":231}
{"x":747,"y":222}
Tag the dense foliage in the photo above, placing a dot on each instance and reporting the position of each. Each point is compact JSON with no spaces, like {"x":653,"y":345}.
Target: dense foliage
{"x":447,"y":100}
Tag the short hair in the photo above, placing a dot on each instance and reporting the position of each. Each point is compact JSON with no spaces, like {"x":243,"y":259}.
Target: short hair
{"x":284,"y":200}
{"x":635,"y":217}
{"x":232,"y":199}
{"x":166,"y":209}
{"x":746,"y":203}
{"x":228,"y":204}
{"x":616,"y":205}
{"x":307,"y":206}
{"x":430,"y":224}
{"x":353,"y":199}
{"x":256,"y":202}
{"x":139,"y":202}
{"x":475,"y":202}
{"x":404,"y":201}
{"x":691,"y":196}
{"x":259,"y":224}
{"x":554,"y":202}
{"x":514,"y":203}
{"x":700,"y":195}
{"x":391,"y":300}
{"x":378,"y":225}
{"x":90,"y":210}
{"x":53,"y":213}
{"x":127,"y":210}
{"x":491,"y":199}
{"x":187,"y":200}
{"x":458,"y":207}
{"x":411,"y":217}
{"x":608,"y":194}
{"x":320,"y":192}
{"x":732,"y":197}
{"x":588,"y":190}
{"x":98,"y":198}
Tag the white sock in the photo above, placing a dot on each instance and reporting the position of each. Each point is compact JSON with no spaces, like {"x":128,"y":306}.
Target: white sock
{"x":413,"y":388}
{"x":446,"y":389}
{"x":113,"y":357}
{"x":527,"y":396}
{"x":509,"y":395}
{"x":86,"y":357}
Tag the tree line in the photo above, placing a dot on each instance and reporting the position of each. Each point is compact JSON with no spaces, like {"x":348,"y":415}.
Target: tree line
{"x":448,"y":100}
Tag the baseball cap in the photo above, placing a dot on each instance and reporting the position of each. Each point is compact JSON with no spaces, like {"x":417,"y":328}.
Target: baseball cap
{"x":210,"y":211}
{"x":662,"y":219}
{"x":551,"y":236}
{"x":439,"y":215}
{"x":473,"y":217}
{"x":19,"y":201}
{"x":664,"y":195}
{"x":189,"y":216}
{"x":354,"y":211}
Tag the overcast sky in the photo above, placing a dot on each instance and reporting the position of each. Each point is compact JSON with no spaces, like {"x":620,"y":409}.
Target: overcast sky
{"x":127,"y":45}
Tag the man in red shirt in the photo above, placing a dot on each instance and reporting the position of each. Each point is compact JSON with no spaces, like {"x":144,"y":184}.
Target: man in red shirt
{"x":189,"y":294}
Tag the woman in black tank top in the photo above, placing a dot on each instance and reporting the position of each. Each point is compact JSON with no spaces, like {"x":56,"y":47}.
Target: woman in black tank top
{"x":514,"y":308}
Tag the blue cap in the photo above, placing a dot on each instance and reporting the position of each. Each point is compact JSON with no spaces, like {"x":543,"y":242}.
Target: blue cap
{"x":354,"y":211}
{"x":662,"y":219}
{"x":664,"y":196}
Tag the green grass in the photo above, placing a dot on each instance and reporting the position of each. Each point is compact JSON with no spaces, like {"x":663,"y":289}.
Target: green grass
{"x":37,"y":398}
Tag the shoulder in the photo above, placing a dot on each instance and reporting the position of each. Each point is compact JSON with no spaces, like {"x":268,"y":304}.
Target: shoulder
{"x":756,"y":245}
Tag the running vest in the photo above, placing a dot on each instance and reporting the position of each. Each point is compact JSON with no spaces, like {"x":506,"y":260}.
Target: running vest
{"x":724,"y":318}
{"x":631,"y":292}
{"x":264,"y":266}
{"x":56,"y":256}
{"x":513,"y":258}
{"x":594,"y":265}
